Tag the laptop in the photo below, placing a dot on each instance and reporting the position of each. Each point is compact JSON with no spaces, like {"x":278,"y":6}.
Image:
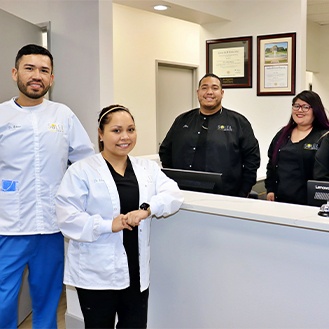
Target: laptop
{"x":317,"y":192}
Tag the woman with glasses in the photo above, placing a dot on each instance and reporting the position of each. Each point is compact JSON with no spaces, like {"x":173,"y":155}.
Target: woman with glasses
{"x":292,"y":150}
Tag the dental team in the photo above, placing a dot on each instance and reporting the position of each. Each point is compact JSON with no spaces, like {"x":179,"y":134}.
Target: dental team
{"x":108,"y":255}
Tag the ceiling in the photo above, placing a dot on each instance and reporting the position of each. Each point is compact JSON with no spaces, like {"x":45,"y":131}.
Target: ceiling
{"x":317,"y":10}
{"x":175,"y":11}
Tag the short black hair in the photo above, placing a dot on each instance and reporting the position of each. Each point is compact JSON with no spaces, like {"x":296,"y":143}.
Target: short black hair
{"x":32,"y":49}
{"x":212,"y":75}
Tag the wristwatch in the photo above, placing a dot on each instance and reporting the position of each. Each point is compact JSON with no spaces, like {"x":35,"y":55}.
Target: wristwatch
{"x":145,"y":206}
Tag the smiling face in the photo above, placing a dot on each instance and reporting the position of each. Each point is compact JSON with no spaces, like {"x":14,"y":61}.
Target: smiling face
{"x":34,"y":78}
{"x":210,"y":95}
{"x":118,"y":135}
{"x":300,"y":116}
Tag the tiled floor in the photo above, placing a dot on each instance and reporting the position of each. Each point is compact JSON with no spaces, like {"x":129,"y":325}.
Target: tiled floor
{"x":27,"y":323}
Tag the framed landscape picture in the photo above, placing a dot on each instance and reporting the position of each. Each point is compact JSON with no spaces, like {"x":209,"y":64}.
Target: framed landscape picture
{"x":276,"y":64}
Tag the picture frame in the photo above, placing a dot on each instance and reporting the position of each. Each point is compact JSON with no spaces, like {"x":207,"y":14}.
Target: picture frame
{"x":276,"y":64}
{"x":231,"y":60}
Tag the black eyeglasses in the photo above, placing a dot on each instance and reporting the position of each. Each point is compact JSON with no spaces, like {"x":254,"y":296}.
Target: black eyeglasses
{"x":305,"y":108}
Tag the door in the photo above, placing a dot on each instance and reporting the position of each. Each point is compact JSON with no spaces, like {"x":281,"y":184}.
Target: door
{"x":14,"y":34}
{"x":176,"y":93}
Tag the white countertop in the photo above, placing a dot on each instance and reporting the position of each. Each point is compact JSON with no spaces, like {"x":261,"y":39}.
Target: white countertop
{"x":256,"y":210}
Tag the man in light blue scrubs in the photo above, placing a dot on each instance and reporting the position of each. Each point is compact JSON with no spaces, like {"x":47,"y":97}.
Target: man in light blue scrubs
{"x":38,"y":138}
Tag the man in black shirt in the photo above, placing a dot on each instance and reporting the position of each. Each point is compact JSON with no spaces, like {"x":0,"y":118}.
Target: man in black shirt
{"x":213,"y":139}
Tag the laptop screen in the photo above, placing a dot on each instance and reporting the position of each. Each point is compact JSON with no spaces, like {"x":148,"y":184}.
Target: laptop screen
{"x":317,"y":192}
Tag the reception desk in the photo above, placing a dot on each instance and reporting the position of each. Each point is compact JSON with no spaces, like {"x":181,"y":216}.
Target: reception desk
{"x":226,"y":262}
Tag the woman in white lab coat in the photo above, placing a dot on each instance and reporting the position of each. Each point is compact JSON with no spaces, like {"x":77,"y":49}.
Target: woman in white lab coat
{"x":104,"y":206}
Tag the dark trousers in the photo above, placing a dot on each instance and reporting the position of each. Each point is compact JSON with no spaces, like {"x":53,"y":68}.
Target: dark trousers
{"x":99,"y":307}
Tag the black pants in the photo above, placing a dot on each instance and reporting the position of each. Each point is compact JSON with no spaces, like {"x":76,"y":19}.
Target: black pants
{"x":99,"y":307}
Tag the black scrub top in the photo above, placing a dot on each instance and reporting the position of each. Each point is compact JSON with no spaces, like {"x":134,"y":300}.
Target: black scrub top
{"x":288,"y":176}
{"x":128,"y":190}
{"x":292,"y":187}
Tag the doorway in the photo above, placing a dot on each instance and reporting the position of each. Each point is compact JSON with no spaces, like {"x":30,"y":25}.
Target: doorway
{"x":14,"y":34}
{"x":175,"y":94}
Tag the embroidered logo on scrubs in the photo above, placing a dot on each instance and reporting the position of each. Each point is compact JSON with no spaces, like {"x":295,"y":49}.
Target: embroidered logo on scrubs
{"x":8,"y":185}
{"x":12,"y":126}
{"x":224,"y":128}
{"x":312,"y":147}
{"x":55,"y":127}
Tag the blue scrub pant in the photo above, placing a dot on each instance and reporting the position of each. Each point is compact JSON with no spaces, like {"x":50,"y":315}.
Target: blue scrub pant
{"x":44,"y":256}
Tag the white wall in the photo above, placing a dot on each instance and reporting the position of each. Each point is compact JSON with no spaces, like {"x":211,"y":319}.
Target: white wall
{"x":312,"y":47}
{"x":137,"y":46}
{"x":105,"y":53}
{"x":140,"y":38}
{"x":320,"y":37}
{"x":83,"y":76}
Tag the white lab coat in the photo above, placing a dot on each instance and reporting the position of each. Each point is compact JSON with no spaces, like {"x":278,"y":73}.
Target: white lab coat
{"x":86,"y":204}
{"x":36,"y":143}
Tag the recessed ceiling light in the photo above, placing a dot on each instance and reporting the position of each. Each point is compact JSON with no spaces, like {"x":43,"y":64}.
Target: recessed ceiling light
{"x":160,"y":7}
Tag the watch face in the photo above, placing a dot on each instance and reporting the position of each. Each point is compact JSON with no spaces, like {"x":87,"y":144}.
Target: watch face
{"x":144,"y":206}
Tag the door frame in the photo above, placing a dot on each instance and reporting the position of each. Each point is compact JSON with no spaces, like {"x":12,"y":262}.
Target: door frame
{"x":193,"y":68}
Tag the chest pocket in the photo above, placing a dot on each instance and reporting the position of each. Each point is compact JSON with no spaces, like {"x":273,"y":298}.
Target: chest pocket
{"x":10,"y":209}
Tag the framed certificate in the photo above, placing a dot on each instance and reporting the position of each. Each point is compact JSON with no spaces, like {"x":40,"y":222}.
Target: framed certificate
{"x":276,"y":64}
{"x":231,"y":60}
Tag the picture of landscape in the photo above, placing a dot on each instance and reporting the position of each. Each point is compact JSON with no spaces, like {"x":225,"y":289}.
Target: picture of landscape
{"x":276,"y":53}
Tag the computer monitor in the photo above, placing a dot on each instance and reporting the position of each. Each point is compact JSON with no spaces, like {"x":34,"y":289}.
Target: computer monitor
{"x":317,"y":192}
{"x":198,"y":181}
